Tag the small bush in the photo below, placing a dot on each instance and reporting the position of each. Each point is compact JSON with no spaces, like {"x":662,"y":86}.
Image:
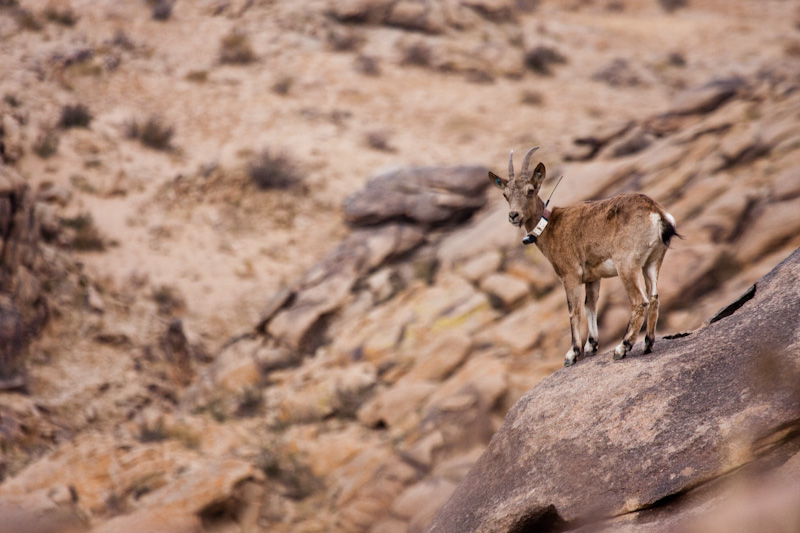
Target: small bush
{"x":343,"y":41}
{"x":283,"y":85}
{"x":86,"y":236}
{"x":531,"y":97}
{"x":12,"y":100}
{"x":673,"y":5}
{"x":75,"y":116}
{"x":273,"y":171}
{"x":160,"y":9}
{"x":235,"y":49}
{"x":168,"y":299}
{"x":27,"y":20}
{"x":379,"y":140}
{"x":418,"y":54}
{"x":250,"y":402}
{"x":64,"y":16}
{"x":367,"y":65}
{"x":197,"y":76}
{"x":541,"y":58}
{"x":153,"y":133}
{"x":46,"y":144}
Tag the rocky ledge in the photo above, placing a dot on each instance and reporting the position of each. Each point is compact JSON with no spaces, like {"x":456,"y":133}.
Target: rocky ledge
{"x":655,"y":442}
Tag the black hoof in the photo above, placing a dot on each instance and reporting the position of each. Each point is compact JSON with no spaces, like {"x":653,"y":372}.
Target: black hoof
{"x":567,"y":362}
{"x":648,"y":345}
{"x":617,"y":356}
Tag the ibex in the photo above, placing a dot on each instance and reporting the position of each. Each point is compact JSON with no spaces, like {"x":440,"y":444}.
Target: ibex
{"x":626,"y":236}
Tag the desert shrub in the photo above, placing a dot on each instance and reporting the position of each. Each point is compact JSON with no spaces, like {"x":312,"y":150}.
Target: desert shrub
{"x":531,"y":97}
{"x":379,"y":140}
{"x":235,"y":49}
{"x":272,"y":170}
{"x":12,"y":100}
{"x":197,"y":76}
{"x":86,"y":236}
{"x":75,"y":116}
{"x":26,"y":19}
{"x":618,"y":73}
{"x":250,"y":402}
{"x":283,"y":85}
{"x":64,"y":16}
{"x":673,"y":5}
{"x":343,"y":41}
{"x":168,"y":299}
{"x":418,"y":54}
{"x":46,"y":144}
{"x":294,"y":476}
{"x":160,"y":9}
{"x":153,"y":133}
{"x":479,"y":75}
{"x":541,"y":58}
{"x":367,"y":65}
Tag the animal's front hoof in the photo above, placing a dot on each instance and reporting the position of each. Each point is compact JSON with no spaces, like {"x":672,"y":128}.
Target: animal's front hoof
{"x":618,"y":356}
{"x":568,"y":362}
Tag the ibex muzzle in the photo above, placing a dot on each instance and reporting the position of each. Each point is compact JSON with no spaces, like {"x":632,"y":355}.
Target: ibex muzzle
{"x":626,"y":236}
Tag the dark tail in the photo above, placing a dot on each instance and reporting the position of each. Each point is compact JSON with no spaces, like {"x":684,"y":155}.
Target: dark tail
{"x":668,"y":230}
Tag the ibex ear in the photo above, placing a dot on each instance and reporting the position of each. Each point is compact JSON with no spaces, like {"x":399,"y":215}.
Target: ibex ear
{"x":497,"y":181}
{"x":538,"y":175}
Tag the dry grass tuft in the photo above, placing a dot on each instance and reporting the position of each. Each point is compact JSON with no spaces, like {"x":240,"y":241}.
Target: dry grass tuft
{"x":64,"y":15}
{"x":235,"y":49}
{"x":46,"y":144}
{"x":272,"y":170}
{"x":75,"y":116}
{"x":418,"y":54}
{"x":153,"y":133}
{"x":86,"y":237}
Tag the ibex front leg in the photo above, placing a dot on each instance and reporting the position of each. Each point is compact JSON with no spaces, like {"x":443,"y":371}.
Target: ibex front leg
{"x":575,"y":304}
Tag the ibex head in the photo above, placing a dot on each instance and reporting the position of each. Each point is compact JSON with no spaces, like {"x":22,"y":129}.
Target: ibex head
{"x":522,"y":193}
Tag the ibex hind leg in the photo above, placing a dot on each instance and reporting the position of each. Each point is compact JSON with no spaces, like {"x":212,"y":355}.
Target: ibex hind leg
{"x":650,"y":272}
{"x":592,"y":296}
{"x":635,"y":287}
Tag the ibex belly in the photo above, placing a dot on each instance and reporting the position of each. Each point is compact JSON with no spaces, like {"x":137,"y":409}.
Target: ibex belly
{"x":603,"y":269}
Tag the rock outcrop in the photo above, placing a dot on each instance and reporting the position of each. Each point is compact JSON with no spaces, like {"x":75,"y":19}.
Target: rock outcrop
{"x":23,"y":308}
{"x":610,"y":439}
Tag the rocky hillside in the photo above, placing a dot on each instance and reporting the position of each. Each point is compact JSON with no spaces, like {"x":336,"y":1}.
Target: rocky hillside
{"x":252,"y":276}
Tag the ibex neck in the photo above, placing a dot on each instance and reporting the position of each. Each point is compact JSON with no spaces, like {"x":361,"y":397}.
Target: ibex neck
{"x":533,"y":235}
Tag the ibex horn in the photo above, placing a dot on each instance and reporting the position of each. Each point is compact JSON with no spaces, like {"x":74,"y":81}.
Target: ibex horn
{"x":526,"y":160}
{"x":511,"y":166}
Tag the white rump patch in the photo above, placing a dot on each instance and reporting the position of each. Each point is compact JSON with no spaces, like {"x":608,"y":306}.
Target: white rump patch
{"x":655,"y":218}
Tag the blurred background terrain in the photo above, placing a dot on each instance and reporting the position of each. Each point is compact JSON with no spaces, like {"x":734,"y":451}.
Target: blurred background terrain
{"x":251,"y":277}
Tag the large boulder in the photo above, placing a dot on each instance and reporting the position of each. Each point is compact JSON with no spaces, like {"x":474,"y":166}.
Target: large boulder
{"x":611,"y":438}
{"x":428,"y":196}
